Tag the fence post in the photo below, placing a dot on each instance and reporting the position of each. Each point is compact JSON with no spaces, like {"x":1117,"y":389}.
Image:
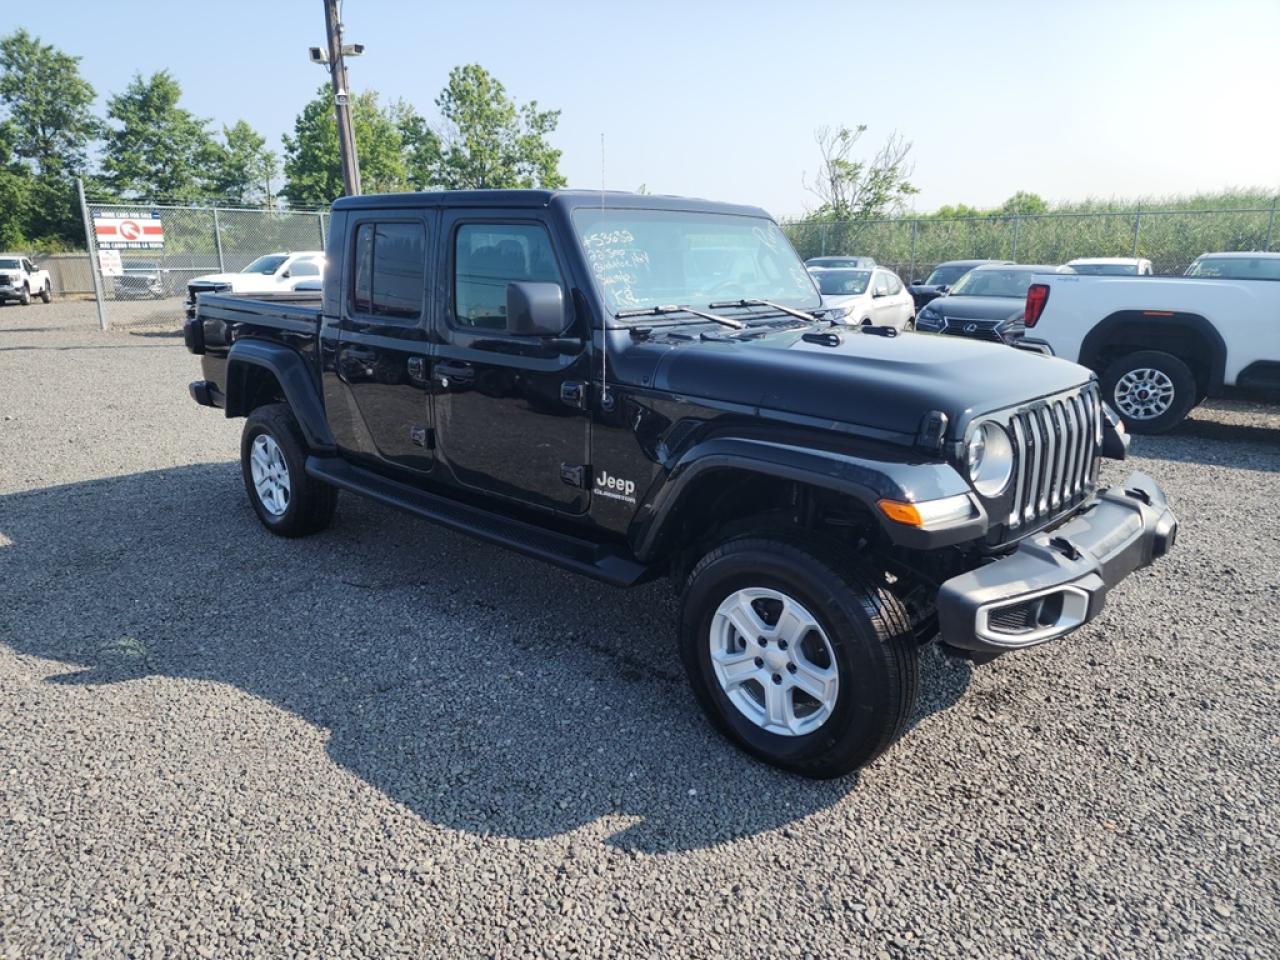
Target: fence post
{"x":1137,"y":229}
{"x":915,"y":225}
{"x":1271,"y":222}
{"x":320,"y":220}
{"x":92,"y":245}
{"x":217,"y":240}
{"x":1014,"y":253}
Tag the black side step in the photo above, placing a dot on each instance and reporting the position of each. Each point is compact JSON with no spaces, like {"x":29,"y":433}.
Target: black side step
{"x":581,"y":556}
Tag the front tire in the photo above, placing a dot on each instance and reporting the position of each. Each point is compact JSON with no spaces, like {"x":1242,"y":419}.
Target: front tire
{"x":24,"y":298}
{"x":273,"y":458}
{"x":795,"y":657}
{"x":1151,"y":390}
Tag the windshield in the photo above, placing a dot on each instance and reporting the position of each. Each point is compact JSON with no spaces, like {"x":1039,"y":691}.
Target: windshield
{"x":843,"y":283}
{"x":267,"y":265}
{"x":994,"y":283}
{"x":945,"y":275}
{"x":1237,"y":268}
{"x":9,"y":265}
{"x":1105,"y":269}
{"x":651,"y":258}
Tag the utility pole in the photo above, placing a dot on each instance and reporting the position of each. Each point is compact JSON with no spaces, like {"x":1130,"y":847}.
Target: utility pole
{"x":342,"y":100}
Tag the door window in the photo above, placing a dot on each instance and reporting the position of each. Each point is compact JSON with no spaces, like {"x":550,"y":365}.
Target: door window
{"x":488,"y":256}
{"x":389,"y":269}
{"x":882,"y":285}
{"x":895,"y":285}
{"x":305,"y":268}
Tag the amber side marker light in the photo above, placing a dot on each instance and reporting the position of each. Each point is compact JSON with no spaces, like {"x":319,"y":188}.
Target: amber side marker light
{"x":928,"y":513}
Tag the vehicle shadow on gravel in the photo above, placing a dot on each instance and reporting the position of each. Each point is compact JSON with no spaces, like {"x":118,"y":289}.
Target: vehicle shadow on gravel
{"x":484,"y":691}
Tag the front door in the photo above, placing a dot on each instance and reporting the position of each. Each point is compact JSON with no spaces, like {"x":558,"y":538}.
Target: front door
{"x":510,"y":410}
{"x":380,"y":409}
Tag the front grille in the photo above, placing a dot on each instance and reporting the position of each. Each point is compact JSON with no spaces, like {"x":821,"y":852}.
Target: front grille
{"x":1056,"y":455}
{"x":974,"y":329}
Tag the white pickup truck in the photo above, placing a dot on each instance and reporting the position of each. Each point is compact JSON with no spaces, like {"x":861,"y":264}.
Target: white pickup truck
{"x":21,"y":281}
{"x":270,"y":273}
{"x":1160,"y":345}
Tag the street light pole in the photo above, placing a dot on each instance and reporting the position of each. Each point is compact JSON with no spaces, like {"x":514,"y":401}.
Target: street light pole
{"x":342,"y":100}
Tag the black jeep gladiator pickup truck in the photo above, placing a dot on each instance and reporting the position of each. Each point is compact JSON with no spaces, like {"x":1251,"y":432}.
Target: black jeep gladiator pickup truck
{"x":635,"y":386}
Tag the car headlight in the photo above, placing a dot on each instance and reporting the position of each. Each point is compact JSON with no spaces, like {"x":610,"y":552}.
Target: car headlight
{"x":989,"y":457}
{"x":928,"y":319}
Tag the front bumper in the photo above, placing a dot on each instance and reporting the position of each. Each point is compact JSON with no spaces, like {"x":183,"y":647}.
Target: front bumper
{"x":1058,"y":579}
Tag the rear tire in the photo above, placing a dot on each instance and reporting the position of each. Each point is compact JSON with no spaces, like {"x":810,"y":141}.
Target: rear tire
{"x":46,"y":294}
{"x":846,"y":628}
{"x":1151,"y":390}
{"x":273,"y":458}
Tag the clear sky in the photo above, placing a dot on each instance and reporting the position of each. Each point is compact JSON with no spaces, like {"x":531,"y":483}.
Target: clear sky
{"x":720,"y":98}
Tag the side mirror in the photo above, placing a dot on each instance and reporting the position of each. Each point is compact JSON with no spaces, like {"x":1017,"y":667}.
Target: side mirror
{"x":944,"y":287}
{"x":535,"y":309}
{"x":286,"y":275}
{"x":917,"y":283}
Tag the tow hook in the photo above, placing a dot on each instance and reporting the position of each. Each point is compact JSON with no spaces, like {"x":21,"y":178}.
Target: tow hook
{"x":1066,"y":548}
{"x":1139,"y":494}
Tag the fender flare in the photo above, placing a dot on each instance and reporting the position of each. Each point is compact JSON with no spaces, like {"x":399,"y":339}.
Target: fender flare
{"x":1106,"y":330}
{"x":296,"y":381}
{"x":866,"y":479}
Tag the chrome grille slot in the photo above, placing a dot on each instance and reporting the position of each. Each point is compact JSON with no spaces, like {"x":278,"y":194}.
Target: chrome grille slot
{"x":1056,"y":455}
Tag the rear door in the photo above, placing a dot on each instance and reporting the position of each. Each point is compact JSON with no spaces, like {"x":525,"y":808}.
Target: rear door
{"x":381,"y":412}
{"x":510,"y":410}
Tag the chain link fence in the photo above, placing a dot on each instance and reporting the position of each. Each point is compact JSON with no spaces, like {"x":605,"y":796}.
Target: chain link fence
{"x":142,"y":256}
{"x":1170,"y":239}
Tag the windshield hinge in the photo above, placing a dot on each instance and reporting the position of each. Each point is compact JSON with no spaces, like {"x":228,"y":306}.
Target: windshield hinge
{"x":933,"y":427}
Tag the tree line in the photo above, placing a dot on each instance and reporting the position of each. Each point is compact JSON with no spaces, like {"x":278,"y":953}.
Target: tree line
{"x":148,"y":147}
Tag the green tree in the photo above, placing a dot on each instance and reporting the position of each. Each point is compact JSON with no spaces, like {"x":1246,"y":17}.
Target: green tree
{"x":421,"y":146}
{"x":312,"y":165}
{"x":49,"y":104}
{"x":243,"y":167}
{"x":852,"y":189}
{"x":15,"y":193}
{"x":156,"y":149}
{"x":1023,"y":204}
{"x":489,"y":140}
{"x":49,"y":128}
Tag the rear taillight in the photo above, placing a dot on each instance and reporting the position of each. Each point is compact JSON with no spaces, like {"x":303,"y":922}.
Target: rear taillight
{"x":1037,"y":297}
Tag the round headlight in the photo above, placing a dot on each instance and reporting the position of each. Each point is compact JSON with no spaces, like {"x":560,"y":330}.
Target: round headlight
{"x":989,"y":456}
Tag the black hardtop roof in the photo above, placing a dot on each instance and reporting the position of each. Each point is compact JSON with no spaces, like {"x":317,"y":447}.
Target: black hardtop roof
{"x":543,"y":198}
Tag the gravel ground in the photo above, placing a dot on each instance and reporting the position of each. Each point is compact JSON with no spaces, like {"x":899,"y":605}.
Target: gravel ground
{"x":391,"y":740}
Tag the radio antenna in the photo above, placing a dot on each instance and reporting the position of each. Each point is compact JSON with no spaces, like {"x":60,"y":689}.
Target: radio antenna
{"x":605,"y":401}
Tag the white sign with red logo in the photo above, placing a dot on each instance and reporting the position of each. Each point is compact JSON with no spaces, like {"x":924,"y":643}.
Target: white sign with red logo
{"x":128,"y":229}
{"x":109,"y":263}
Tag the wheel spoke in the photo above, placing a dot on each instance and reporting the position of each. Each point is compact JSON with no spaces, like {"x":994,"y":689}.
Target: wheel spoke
{"x":814,"y":680}
{"x":778,"y":706}
{"x":735,"y":667}
{"x":745,"y":620}
{"x":793,"y":623}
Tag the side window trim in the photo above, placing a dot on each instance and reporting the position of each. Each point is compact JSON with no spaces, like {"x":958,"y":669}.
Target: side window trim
{"x":450,"y":312}
{"x":374,"y":219}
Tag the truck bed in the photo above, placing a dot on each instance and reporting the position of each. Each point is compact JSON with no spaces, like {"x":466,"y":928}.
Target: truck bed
{"x":297,"y":311}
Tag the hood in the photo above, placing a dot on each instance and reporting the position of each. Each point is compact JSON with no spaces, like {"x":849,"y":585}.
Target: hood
{"x":882,"y":383}
{"x":979,"y":308}
{"x":844,"y":300}
{"x":239,"y":282}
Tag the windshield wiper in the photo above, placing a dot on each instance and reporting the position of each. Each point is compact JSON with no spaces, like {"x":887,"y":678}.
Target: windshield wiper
{"x":673,"y":308}
{"x":791,"y":311}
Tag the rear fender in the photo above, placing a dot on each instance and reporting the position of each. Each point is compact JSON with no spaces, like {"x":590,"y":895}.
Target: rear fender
{"x":248,"y":360}
{"x":867,"y":480}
